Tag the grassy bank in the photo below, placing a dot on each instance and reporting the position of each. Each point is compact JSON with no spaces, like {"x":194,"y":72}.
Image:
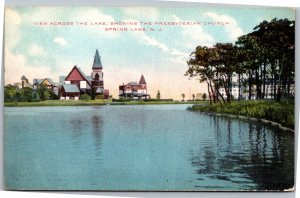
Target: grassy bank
{"x":93,"y":103}
{"x":280,"y":112}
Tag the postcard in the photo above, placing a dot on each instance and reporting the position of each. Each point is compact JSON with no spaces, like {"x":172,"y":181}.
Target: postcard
{"x":149,"y":98}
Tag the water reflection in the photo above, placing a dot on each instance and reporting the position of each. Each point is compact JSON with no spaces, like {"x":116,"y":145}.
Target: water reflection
{"x":97,"y":123}
{"x":246,"y":153}
{"x":86,"y":131}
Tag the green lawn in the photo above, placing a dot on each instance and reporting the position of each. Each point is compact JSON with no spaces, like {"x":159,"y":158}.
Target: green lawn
{"x":280,"y":112}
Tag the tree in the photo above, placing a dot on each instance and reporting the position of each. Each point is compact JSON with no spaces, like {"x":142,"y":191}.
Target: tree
{"x":264,"y":56}
{"x":277,"y":39}
{"x":158,"y":95}
{"x":225,"y":63}
{"x":201,"y":65}
{"x":27,"y":94}
{"x":204,"y":96}
{"x":10,"y":92}
{"x":193,"y":96}
{"x":44,"y":93}
{"x":250,"y":62}
{"x":183,"y":96}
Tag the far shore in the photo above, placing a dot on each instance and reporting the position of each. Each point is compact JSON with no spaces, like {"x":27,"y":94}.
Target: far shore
{"x":94,"y":103}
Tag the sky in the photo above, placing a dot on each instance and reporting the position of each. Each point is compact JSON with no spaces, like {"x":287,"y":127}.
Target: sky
{"x":38,"y":47}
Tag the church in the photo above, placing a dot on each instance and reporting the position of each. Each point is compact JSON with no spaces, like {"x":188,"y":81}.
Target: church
{"x":77,"y":83}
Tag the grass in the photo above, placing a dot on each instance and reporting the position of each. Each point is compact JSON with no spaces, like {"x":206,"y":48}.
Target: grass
{"x":93,"y":103}
{"x":280,"y":112}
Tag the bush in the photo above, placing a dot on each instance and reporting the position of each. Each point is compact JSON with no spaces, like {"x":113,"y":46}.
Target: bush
{"x":85,"y":97}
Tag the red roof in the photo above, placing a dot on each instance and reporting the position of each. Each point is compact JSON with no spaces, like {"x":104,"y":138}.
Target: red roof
{"x":76,"y":74}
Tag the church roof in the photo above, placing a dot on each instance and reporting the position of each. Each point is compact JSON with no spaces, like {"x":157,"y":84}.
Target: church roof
{"x":142,"y":80}
{"x":70,"y":88}
{"x":97,"y":61}
{"x":81,"y":74}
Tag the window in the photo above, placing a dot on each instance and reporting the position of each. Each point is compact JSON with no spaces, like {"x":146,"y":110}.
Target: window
{"x":97,"y":76}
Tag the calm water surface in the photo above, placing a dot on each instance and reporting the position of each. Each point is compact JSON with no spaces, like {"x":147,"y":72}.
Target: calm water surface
{"x":153,"y":147}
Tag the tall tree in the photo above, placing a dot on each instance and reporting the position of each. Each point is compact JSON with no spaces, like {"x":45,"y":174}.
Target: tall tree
{"x":277,"y":39}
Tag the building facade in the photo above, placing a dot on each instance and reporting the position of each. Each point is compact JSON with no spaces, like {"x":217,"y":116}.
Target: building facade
{"x":134,"y":90}
{"x":92,"y":85}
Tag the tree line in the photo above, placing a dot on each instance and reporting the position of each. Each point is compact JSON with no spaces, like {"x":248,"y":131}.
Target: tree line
{"x":264,"y":58}
{"x":27,"y":94}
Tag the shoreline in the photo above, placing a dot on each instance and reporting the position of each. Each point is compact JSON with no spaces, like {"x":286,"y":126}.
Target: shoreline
{"x":269,"y":122}
{"x":95,"y":103}
{"x":275,"y":113}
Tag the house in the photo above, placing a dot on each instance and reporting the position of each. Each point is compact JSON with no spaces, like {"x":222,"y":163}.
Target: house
{"x":92,"y":85}
{"x":48,"y":83}
{"x":134,"y":90}
{"x":69,"y":92}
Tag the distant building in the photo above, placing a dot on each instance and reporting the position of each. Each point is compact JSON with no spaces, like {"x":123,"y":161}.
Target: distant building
{"x":92,"y":85}
{"x":48,"y":83}
{"x":134,"y":90}
{"x":24,"y":83}
{"x":235,"y":91}
{"x":244,"y":91}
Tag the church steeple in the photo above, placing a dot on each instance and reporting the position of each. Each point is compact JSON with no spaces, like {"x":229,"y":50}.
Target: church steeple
{"x":97,"y":61}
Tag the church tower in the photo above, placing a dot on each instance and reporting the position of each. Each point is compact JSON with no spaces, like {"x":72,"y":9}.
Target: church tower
{"x":97,"y":75}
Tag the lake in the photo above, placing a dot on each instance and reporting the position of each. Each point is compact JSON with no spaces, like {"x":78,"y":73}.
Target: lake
{"x":142,"y":147}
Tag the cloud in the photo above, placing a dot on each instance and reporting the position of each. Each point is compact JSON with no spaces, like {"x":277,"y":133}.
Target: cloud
{"x":41,"y":13}
{"x":12,"y":26}
{"x":152,"y":41}
{"x":176,"y":55}
{"x":139,"y":12}
{"x":35,"y":50}
{"x":233,"y":30}
{"x":92,"y":15}
{"x":194,"y":35}
{"x":17,"y":65}
{"x":60,"y":41}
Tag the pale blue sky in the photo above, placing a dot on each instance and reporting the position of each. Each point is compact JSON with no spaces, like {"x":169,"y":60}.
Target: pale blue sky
{"x":50,"y":51}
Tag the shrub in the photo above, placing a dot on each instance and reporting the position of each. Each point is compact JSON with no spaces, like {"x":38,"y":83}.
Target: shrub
{"x":85,"y":97}
{"x":281,"y":112}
